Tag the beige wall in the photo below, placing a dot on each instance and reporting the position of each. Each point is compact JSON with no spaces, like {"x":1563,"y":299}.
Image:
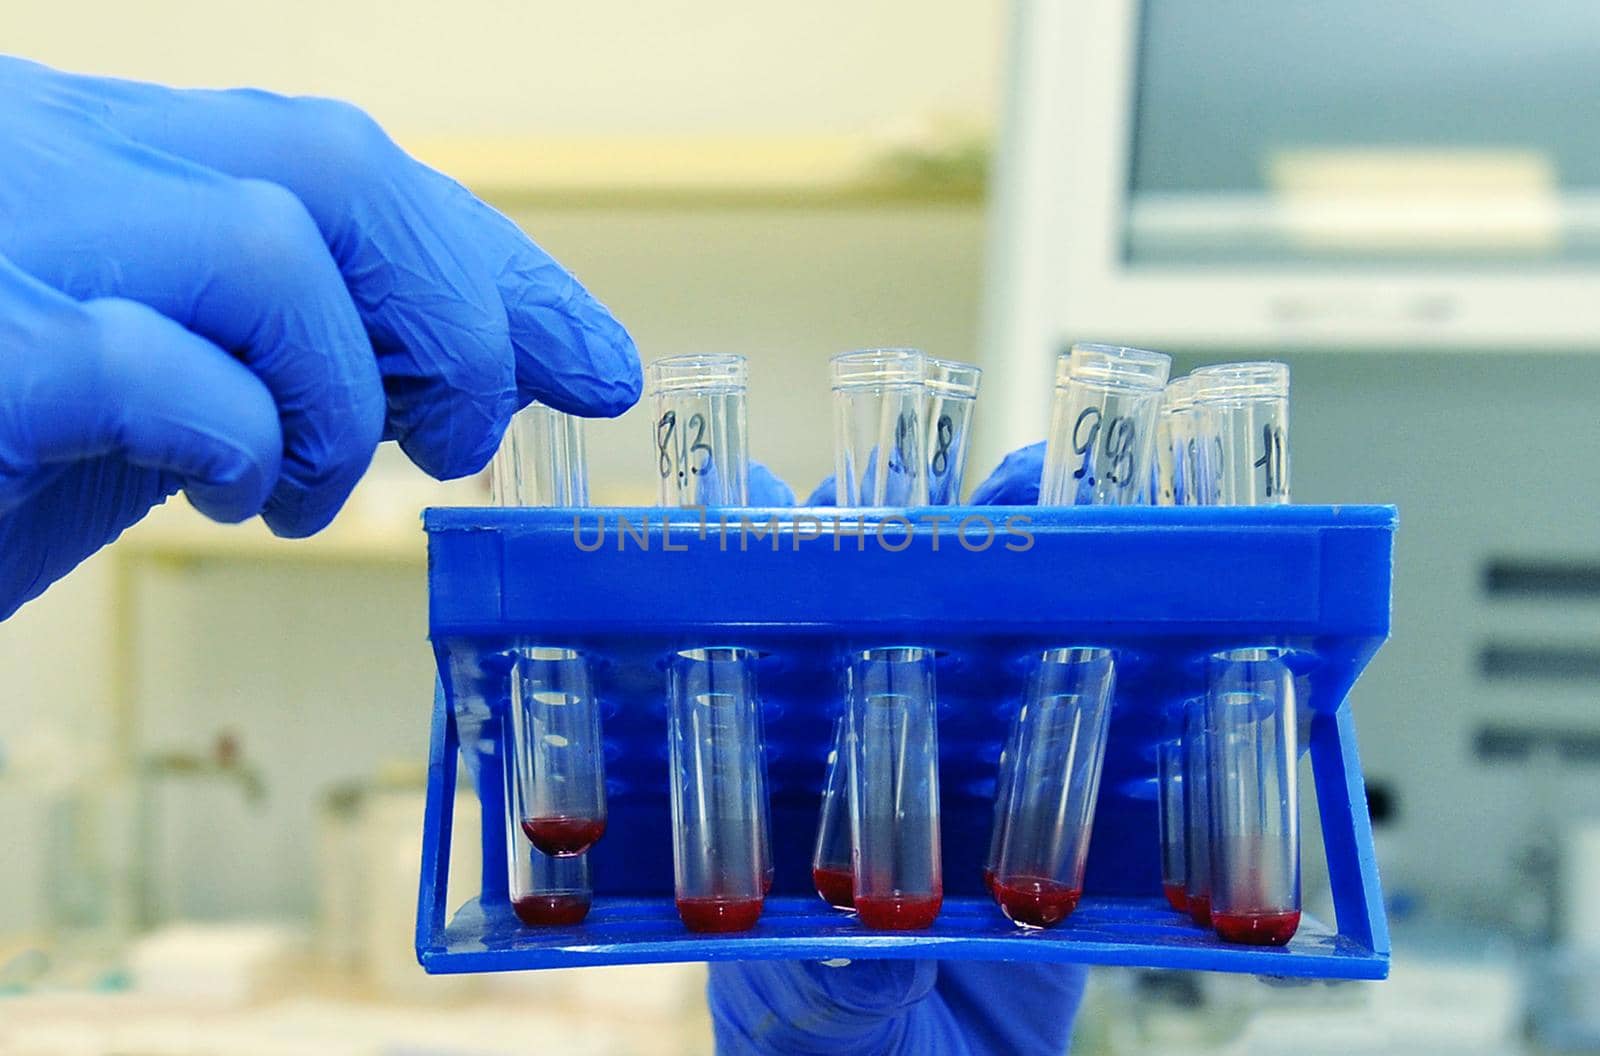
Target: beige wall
{"x":506,"y":67}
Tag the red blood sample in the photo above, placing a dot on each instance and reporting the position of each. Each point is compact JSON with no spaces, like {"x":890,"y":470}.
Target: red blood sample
{"x":1036,"y":901}
{"x":899,"y":912}
{"x":1177,"y":897}
{"x":716,"y":913}
{"x":564,"y":907}
{"x":988,"y":881}
{"x":836,"y":886}
{"x":1257,"y":929}
{"x":562,"y":837}
{"x":1200,"y":909}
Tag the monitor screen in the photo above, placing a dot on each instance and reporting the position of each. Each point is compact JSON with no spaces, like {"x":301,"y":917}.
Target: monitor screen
{"x":1299,"y":134}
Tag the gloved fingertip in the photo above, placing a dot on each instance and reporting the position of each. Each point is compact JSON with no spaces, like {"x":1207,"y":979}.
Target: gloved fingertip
{"x":582,"y":363}
{"x":1015,"y":481}
{"x":767,"y":488}
{"x":826,"y":493}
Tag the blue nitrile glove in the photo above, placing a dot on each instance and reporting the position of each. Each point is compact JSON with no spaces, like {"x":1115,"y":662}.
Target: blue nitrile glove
{"x":767,"y":488}
{"x":238,"y":294}
{"x":884,"y":1008}
{"x":1014,"y":482}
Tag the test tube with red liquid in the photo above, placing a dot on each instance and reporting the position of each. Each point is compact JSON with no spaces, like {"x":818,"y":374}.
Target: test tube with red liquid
{"x":1255,"y":823}
{"x":1170,"y":821}
{"x":1005,"y":773}
{"x":830,"y":858}
{"x":893,"y":744}
{"x":722,"y":855}
{"x":554,"y":773}
{"x":1197,"y":812}
{"x":561,"y":759}
{"x":718,"y":808}
{"x":878,"y":403}
{"x":1060,"y":748}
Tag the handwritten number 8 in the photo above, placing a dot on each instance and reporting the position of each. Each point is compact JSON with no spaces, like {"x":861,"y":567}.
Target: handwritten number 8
{"x":664,"y":430}
{"x":944,"y":434}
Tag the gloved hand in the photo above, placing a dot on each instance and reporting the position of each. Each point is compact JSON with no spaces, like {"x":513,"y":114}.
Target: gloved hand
{"x":238,"y":295}
{"x":885,"y":1008}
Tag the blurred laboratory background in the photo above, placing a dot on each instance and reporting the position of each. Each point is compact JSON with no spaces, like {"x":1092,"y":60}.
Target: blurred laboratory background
{"x":213,"y":743}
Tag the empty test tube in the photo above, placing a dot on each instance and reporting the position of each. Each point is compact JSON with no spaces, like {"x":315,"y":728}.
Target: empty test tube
{"x":894,"y":788}
{"x":1248,"y":405}
{"x":1060,"y":747}
{"x":830,"y":858}
{"x":1197,"y":812}
{"x":702,"y":454}
{"x":540,"y":462}
{"x":1185,"y":455}
{"x":1103,"y":426}
{"x":718,"y":795}
{"x":879,"y":399}
{"x":555,"y":770}
{"x":1170,"y":822}
{"x":952,"y":395}
{"x":1255,"y":822}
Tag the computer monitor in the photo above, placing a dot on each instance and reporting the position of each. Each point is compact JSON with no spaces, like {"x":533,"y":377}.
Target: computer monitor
{"x":1259,"y":177}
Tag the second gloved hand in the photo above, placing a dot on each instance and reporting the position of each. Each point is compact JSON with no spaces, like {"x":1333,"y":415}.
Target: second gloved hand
{"x":902,"y":1007}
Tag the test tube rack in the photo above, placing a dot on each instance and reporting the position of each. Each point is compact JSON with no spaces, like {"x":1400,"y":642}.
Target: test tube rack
{"x":1163,"y":586}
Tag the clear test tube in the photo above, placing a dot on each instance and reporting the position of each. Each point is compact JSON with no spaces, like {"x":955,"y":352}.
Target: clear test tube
{"x":878,"y":411}
{"x":540,"y":461}
{"x":1197,"y":812}
{"x":830,"y":858}
{"x":560,"y":756}
{"x":1103,"y":426}
{"x":1170,"y":822}
{"x":1060,"y":749}
{"x":1248,"y":404}
{"x":952,"y":395}
{"x":894,"y":788}
{"x":701,"y":437}
{"x":718,"y":798}
{"x":1171,"y":457}
{"x":699,"y":408}
{"x":1005,"y":775}
{"x":555,"y":772}
{"x":544,"y":891}
{"x":1255,"y":815}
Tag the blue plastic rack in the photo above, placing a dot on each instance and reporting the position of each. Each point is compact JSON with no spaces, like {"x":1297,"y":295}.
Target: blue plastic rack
{"x":1164,"y":586}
